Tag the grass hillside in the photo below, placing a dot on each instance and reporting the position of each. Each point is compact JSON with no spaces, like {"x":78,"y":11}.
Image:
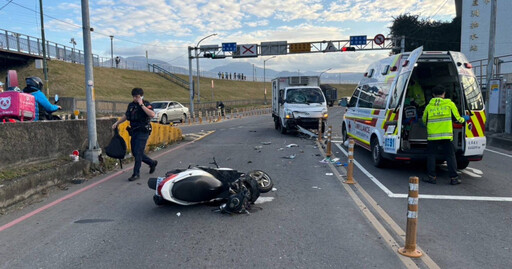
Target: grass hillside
{"x":68,"y":80}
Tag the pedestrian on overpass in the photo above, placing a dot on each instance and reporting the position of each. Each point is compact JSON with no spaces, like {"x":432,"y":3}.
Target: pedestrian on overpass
{"x":438,"y":119}
{"x":139,"y":113}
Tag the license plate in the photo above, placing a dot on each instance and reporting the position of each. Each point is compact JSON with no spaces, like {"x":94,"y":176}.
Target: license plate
{"x":158,"y":181}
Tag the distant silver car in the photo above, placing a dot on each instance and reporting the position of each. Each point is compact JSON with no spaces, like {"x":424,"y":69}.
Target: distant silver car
{"x":169,"y":111}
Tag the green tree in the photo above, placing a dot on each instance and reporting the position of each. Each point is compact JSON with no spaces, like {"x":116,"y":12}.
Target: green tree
{"x":432,"y":35}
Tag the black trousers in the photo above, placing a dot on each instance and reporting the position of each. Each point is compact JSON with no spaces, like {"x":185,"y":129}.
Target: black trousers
{"x":138,"y":143}
{"x":442,"y":147}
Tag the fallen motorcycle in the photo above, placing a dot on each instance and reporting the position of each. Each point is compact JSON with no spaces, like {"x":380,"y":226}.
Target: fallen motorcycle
{"x":201,"y":184}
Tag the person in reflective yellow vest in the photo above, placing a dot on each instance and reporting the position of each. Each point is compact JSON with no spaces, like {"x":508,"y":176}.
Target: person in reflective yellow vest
{"x":438,"y":119}
{"x":415,"y":93}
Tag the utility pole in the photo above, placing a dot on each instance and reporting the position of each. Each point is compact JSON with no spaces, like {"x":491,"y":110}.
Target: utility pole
{"x":111,"y":51}
{"x":490,"y":57}
{"x":93,"y":151}
{"x":45,"y":64}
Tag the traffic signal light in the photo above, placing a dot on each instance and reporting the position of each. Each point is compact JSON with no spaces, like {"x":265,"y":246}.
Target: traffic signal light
{"x":348,"y":49}
{"x":213,"y":55}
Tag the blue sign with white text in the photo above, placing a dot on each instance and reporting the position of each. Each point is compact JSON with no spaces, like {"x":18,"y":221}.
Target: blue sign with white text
{"x":229,"y":47}
{"x":358,"y":40}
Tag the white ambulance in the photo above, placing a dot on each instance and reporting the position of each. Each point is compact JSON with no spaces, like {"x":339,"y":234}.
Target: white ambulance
{"x":385,"y":110}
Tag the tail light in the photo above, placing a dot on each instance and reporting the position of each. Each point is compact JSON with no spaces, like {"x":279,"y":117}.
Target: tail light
{"x":167,"y":179}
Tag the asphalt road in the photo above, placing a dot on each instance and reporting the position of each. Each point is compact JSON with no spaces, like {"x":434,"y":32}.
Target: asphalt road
{"x":462,"y":226}
{"x":311,"y":220}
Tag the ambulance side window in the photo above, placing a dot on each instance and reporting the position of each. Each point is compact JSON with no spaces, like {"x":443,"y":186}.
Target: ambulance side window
{"x":398,"y":90}
{"x":366,"y":97}
{"x":353,"y":99}
{"x":381,"y":96}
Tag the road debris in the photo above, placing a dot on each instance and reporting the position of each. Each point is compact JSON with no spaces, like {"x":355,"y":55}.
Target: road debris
{"x":290,"y":157}
{"x":292,"y":145}
{"x":266,"y":143}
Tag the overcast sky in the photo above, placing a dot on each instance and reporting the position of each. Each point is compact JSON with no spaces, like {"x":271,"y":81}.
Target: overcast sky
{"x":165,"y":28}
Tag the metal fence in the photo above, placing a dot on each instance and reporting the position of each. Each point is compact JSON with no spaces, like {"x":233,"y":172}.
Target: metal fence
{"x":500,"y":63}
{"x":70,"y":104}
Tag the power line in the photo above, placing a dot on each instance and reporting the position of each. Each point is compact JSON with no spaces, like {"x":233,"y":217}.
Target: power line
{"x":95,"y":32}
{"x":6,"y":4}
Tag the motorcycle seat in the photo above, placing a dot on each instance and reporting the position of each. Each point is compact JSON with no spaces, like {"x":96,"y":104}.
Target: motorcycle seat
{"x":198,"y":188}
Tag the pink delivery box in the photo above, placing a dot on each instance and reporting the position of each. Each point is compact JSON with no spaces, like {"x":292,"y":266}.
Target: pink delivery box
{"x":17,"y":105}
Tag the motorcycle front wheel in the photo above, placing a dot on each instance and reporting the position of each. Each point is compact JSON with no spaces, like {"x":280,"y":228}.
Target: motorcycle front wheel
{"x":264,"y":181}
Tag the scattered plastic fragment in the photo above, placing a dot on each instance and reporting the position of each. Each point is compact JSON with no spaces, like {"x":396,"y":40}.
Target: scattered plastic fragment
{"x":292,"y":145}
{"x":266,"y":143}
{"x":274,"y":189}
{"x":290,"y":157}
{"x":329,"y":174}
{"x":178,"y":214}
{"x":258,"y":147}
{"x":280,"y":149}
{"x":316,"y":187}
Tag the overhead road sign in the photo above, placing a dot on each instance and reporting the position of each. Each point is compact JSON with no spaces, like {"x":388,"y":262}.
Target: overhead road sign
{"x":208,"y":47}
{"x":358,"y":40}
{"x":379,"y":39}
{"x":330,"y":47}
{"x":299,"y":47}
{"x":246,"y":50}
{"x":229,"y":46}
{"x":274,"y":48}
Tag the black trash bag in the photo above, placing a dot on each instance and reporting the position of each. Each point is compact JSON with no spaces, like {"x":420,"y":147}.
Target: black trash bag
{"x":116,"y":148}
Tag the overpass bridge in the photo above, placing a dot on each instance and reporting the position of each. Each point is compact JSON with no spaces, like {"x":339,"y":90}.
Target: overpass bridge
{"x":17,"y":48}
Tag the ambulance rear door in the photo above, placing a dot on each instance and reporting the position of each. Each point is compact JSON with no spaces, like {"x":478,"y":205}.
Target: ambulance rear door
{"x":393,"y":123}
{"x":473,"y":106}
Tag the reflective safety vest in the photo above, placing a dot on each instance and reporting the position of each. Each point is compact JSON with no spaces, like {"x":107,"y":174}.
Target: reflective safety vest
{"x":438,"y":118}
{"x":416,"y":93}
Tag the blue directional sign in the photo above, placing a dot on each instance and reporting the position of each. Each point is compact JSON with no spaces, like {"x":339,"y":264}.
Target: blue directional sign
{"x":358,"y":40}
{"x":229,"y":46}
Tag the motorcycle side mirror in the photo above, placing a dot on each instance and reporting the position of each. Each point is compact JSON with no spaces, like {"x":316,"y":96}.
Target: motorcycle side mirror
{"x":56,"y":98}
{"x":215,"y":162}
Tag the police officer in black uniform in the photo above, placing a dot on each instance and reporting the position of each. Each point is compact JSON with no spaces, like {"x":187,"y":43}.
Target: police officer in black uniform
{"x":139,"y":113}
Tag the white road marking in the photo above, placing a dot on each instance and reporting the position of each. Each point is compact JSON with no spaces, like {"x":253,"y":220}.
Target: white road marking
{"x":263,"y":199}
{"x":474,"y":170}
{"x":430,"y":196}
{"x":497,"y":152}
{"x":374,"y":179}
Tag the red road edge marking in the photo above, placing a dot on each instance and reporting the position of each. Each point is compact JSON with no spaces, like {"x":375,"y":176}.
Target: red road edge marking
{"x":58,"y":201}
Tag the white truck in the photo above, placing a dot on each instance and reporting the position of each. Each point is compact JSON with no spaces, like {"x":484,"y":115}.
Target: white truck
{"x":298,"y":101}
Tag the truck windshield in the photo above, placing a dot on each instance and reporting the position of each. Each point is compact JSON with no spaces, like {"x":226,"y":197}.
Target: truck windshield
{"x":472,"y":92}
{"x":304,"y":96}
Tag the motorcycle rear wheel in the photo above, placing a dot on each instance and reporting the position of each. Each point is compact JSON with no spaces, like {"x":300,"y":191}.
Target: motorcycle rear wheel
{"x":264,"y":181}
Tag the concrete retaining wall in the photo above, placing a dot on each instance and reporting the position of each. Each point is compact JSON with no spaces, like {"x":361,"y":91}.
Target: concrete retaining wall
{"x":25,"y":142}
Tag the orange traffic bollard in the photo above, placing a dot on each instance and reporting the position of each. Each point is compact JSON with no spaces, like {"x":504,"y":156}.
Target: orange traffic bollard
{"x":320,"y":130}
{"x":412,"y":218}
{"x":350,"y":168}
{"x":329,"y":150}
{"x":200,"y":117}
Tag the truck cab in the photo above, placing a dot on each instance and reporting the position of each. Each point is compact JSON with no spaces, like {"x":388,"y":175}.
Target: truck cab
{"x":297,"y":101}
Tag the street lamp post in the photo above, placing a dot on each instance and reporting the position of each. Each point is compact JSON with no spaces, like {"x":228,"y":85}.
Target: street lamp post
{"x":197,"y":62}
{"x":73,"y":42}
{"x":265,"y":78}
{"x":319,"y":76}
{"x":112,"y":51}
